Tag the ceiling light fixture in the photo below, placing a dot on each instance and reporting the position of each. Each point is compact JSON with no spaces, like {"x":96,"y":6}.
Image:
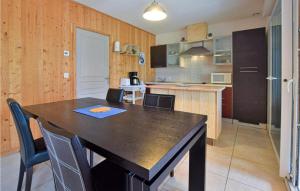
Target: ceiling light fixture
{"x":154,"y":12}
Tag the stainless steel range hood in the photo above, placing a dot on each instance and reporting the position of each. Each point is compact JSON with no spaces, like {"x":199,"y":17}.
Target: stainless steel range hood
{"x":196,"y":37}
{"x":196,"y":51}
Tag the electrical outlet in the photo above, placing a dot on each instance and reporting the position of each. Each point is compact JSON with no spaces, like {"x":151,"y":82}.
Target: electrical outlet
{"x":66,"y":53}
{"x":66,"y":75}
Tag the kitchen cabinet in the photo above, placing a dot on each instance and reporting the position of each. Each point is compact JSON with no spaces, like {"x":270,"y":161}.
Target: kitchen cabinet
{"x":166,"y":55}
{"x":197,"y":99}
{"x":173,"y":57}
{"x":227,"y":103}
{"x":158,"y":56}
{"x":223,"y":50}
{"x":249,"y":76}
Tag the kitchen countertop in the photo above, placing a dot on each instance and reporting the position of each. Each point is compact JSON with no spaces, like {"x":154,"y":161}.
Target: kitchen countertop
{"x":188,"y":84}
{"x":194,"y":87}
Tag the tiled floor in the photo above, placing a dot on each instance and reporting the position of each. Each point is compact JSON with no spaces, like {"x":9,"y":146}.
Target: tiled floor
{"x":241,"y":160}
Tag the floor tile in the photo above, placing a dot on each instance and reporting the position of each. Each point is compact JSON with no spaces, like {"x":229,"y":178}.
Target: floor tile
{"x":254,"y":154}
{"x":49,"y":186}
{"x":218,"y":163}
{"x":254,"y":174}
{"x":215,"y":182}
{"x":241,"y":160}
{"x":252,"y":132}
{"x":232,"y":185}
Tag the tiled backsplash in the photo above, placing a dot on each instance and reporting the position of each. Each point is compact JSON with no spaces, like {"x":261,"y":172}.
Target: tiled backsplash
{"x":194,"y":69}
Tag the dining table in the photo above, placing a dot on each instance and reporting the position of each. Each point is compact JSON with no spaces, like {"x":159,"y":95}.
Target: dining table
{"x":147,"y":142}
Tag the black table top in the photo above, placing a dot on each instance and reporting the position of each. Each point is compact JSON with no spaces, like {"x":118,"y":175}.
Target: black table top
{"x":141,"y":140}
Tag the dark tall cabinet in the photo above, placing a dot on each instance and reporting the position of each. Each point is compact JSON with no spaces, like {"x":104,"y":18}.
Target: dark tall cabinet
{"x":249,"y":76}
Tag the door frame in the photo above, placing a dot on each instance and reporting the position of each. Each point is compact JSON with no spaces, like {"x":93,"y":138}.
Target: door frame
{"x":286,"y":97}
{"x":295,"y":128}
{"x":74,"y":57}
{"x":270,"y":69}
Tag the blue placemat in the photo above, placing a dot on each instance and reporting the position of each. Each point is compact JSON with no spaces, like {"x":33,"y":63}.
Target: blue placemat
{"x":99,"y":115}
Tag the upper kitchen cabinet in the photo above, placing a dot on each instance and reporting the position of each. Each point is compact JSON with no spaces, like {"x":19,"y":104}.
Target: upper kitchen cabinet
{"x":165,"y":55}
{"x":158,"y":56}
{"x":223,"y":50}
{"x":173,"y":51}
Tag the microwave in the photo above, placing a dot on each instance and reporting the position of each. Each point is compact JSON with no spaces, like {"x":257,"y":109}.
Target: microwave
{"x":221,"y":78}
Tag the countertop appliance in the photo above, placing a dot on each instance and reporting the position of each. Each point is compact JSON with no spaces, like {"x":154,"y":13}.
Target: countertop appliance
{"x":221,"y":78}
{"x":134,"y":80}
{"x":125,"y":82}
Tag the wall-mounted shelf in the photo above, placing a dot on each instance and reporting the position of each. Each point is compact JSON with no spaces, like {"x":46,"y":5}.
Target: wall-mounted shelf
{"x":195,"y":42}
{"x":130,"y":50}
{"x":129,"y":54}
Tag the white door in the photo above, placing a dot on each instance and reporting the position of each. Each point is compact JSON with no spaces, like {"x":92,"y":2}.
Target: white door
{"x":92,"y":71}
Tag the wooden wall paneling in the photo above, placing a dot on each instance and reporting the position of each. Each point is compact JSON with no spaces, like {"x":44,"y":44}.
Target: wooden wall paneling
{"x":5,"y":131}
{"x":68,"y":62}
{"x":31,"y":28}
{"x":34,"y":35}
{"x":115,"y":65}
{"x":15,"y":66}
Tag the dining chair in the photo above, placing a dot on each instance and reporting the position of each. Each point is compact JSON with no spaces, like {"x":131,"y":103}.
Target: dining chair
{"x":70,"y":167}
{"x":115,"y":95}
{"x":160,"y":101}
{"x":32,"y":151}
{"x":112,"y":96}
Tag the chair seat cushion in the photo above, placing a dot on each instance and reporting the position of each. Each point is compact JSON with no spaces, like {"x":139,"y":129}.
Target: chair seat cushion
{"x":108,"y":176}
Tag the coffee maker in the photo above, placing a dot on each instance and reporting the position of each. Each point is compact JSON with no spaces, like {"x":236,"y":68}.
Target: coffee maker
{"x":134,"y":80}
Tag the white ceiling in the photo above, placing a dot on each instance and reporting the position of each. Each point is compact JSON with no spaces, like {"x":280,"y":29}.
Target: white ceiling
{"x":180,"y":12}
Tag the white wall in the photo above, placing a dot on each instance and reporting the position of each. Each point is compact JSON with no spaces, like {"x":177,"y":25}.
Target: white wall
{"x":198,"y":70}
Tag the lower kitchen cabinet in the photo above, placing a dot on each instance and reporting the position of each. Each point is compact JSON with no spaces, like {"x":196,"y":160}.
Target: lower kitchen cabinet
{"x":227,"y":103}
{"x":199,"y":102}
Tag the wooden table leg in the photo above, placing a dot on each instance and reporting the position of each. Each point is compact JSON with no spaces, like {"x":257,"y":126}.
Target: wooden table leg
{"x":197,"y":165}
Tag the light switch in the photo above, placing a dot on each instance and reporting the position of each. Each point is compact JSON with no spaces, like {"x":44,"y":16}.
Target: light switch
{"x":66,"y":53}
{"x":66,"y":75}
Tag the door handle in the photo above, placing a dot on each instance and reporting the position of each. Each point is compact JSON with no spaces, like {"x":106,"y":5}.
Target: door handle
{"x":271,"y":78}
{"x":289,"y":83}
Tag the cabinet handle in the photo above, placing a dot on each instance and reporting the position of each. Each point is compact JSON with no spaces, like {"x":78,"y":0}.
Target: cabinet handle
{"x":252,"y":67}
{"x":249,"y":71}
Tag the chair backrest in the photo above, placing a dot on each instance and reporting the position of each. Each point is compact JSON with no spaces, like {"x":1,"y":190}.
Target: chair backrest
{"x":159,"y":101}
{"x":27,"y":148}
{"x":68,"y":159}
{"x":115,"y":95}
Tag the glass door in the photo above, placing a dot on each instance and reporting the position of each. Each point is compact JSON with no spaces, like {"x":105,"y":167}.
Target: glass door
{"x":274,"y":78}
